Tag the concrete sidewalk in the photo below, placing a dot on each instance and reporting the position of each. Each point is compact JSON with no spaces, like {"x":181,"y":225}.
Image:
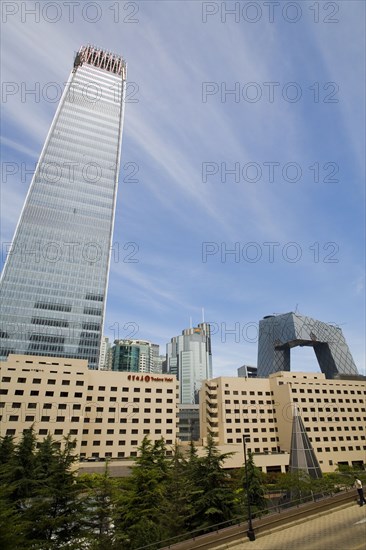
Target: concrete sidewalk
{"x":343,"y":528}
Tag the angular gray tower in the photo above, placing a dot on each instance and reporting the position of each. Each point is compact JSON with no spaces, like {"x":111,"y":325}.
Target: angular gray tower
{"x":279,"y":333}
{"x":54,"y":283}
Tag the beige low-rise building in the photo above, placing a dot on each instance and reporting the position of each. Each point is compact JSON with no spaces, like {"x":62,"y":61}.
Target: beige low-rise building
{"x":108,"y":413}
{"x":333,"y":413}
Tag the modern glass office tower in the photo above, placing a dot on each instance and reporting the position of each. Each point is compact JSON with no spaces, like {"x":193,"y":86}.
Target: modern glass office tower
{"x":189,"y":358}
{"x":54,"y":283}
{"x":135,"y":356}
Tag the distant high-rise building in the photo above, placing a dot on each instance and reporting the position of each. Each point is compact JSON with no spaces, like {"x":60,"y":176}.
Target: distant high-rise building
{"x":246,"y":371}
{"x":189,"y":357}
{"x":105,"y":355}
{"x":279,"y":333}
{"x":135,"y":356}
{"x":54,"y":283}
{"x":159,"y":364}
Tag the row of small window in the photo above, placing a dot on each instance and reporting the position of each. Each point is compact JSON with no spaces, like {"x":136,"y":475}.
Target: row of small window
{"x":236,"y":392}
{"x":251,"y":402}
{"x":126,"y":389}
{"x":254,"y":430}
{"x":339,"y":438}
{"x":328,"y":449}
{"x":131,"y":420}
{"x":111,"y":442}
{"x":338,"y":428}
{"x":35,"y":393}
{"x":22,"y":380}
{"x":251,"y":420}
{"x":335,"y":409}
{"x":246,"y":411}
{"x":318,"y":400}
{"x":120,"y":454}
{"x":334,"y":418}
{"x":256,"y":450}
{"x":338,"y":392}
{"x":31,"y":418}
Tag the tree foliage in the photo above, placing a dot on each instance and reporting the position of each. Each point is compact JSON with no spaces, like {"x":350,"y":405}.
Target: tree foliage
{"x":253,"y":491}
{"x":44,"y":505}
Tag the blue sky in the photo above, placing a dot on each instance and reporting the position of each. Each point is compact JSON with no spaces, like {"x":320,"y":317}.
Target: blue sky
{"x":293,"y":132}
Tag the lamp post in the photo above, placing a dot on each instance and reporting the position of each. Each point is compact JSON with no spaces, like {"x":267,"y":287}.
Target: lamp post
{"x":250,"y":532}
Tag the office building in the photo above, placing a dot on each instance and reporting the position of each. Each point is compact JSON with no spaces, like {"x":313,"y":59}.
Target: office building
{"x":54,"y":283}
{"x":332,"y":411}
{"x":246,"y":371}
{"x":279,"y":333}
{"x":108,"y":413}
{"x":189,"y":357}
{"x":135,"y":356}
{"x":105,"y":359}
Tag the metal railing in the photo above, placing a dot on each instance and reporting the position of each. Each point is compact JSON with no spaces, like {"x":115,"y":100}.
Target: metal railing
{"x":239,"y":521}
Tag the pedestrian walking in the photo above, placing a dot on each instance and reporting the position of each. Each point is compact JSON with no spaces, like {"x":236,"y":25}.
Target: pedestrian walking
{"x":358,"y":486}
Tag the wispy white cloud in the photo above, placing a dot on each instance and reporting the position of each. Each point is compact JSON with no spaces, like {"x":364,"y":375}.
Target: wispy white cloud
{"x":170,"y":132}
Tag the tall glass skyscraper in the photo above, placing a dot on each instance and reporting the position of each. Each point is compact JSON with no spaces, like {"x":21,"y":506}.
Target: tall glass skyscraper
{"x":54,"y":283}
{"x":189,"y":357}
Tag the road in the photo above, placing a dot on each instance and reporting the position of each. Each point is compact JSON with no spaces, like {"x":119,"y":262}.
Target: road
{"x":342,"y":529}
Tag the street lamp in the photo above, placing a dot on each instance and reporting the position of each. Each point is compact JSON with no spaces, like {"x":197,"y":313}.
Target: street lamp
{"x":250,"y":532}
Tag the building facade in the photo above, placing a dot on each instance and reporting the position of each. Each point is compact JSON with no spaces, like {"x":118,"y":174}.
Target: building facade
{"x":135,"y":356}
{"x":54,"y":283}
{"x":104,"y":354}
{"x":108,"y":413}
{"x":246,"y":371}
{"x":333,"y":413}
{"x":279,"y":333}
{"x":189,"y":357}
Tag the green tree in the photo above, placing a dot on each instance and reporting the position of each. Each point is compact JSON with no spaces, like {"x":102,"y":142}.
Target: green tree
{"x":254,"y":492}
{"x":140,"y":506}
{"x":214,"y":499}
{"x":100,"y":509}
{"x":7,"y":447}
{"x":180,"y":490}
{"x":10,"y":518}
{"x":20,"y":471}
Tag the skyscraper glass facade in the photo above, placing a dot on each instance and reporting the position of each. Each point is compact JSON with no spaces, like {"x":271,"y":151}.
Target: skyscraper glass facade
{"x":54,"y":283}
{"x":189,"y":358}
